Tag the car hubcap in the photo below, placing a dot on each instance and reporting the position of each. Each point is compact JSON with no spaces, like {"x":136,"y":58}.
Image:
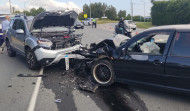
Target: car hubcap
{"x":102,"y":73}
{"x":30,"y":59}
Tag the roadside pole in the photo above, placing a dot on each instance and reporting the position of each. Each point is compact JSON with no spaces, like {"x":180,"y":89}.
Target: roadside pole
{"x":90,"y":9}
{"x":10,"y":5}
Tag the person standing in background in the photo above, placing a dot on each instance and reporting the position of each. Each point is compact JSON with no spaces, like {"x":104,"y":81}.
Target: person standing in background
{"x":1,"y":36}
{"x":94,"y":23}
{"x":5,"y":26}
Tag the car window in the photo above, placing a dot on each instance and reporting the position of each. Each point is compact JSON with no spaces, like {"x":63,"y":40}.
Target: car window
{"x":11,"y":23}
{"x":15,"y":24}
{"x":21,"y":25}
{"x":181,"y":45}
{"x":151,"y":44}
{"x":161,"y":37}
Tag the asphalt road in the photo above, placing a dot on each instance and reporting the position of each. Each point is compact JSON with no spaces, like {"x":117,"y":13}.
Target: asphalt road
{"x":16,"y":92}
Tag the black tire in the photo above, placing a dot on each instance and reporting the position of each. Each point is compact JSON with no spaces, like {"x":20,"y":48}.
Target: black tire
{"x":88,"y":23}
{"x":82,"y":27}
{"x":102,"y":73}
{"x":10,"y":50}
{"x":31,"y":59}
{"x":134,"y":28}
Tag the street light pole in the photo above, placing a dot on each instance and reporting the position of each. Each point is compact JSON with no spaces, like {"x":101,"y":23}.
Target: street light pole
{"x":90,"y":9}
{"x":131,"y":10}
{"x":144,"y":10}
{"x":25,"y":7}
{"x":10,"y":5}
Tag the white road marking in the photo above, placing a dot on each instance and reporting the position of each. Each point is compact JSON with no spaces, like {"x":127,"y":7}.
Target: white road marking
{"x":32,"y":103}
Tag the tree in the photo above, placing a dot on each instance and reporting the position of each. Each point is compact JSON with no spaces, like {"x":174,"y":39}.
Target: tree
{"x":17,"y":12}
{"x":111,"y":13}
{"x":34,"y":11}
{"x":40,"y":10}
{"x":99,"y":10}
{"x":128,"y":17}
{"x":86,"y":9}
{"x":81,"y":16}
{"x":170,"y":12}
{"x":122,"y":13}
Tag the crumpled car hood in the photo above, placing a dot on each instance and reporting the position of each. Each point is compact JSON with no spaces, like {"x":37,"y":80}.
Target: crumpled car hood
{"x":54,"y":18}
{"x":114,"y":42}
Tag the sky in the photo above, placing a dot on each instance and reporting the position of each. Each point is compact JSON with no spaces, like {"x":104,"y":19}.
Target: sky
{"x":138,"y":5}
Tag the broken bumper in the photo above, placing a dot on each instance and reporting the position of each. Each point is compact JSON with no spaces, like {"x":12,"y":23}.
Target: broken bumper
{"x":49,"y":57}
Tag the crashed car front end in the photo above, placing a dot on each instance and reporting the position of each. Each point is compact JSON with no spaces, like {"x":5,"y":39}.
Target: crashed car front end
{"x":55,"y":37}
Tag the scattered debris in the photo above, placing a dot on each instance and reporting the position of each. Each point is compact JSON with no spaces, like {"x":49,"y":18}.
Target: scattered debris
{"x":10,"y":86}
{"x":33,"y":83}
{"x":68,"y":71}
{"x":58,"y":101}
{"x":30,"y":75}
{"x":87,"y":96}
{"x":88,"y":85}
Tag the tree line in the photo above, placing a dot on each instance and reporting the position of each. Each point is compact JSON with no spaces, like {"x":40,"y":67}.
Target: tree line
{"x":170,"y":12}
{"x":99,"y":10}
{"x":32,"y":12}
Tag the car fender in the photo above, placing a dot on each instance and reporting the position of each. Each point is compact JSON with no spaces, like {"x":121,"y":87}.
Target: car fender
{"x":31,"y":42}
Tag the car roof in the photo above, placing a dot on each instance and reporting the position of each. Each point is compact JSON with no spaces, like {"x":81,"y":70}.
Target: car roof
{"x":128,"y":20}
{"x":171,"y":27}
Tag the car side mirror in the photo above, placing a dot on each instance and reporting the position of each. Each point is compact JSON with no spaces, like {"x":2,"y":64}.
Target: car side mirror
{"x":123,"y":51}
{"x":20,"y":31}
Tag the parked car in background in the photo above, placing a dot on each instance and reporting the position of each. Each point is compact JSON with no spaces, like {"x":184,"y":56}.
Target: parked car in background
{"x":158,"y":57}
{"x":78,"y":24}
{"x":131,"y":24}
{"x":45,"y":40}
{"x":87,"y":21}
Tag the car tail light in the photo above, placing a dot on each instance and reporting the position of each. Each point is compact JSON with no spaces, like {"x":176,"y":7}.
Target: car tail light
{"x":66,"y":37}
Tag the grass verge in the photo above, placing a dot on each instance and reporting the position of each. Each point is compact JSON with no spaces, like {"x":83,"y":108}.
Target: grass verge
{"x":144,"y":25}
{"x":103,"y":21}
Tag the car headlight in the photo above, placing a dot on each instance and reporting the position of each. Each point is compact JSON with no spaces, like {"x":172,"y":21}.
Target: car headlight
{"x":45,"y":43}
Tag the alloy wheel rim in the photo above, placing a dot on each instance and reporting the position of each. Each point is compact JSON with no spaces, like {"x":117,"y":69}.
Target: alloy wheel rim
{"x":30,"y":59}
{"x":102,"y":73}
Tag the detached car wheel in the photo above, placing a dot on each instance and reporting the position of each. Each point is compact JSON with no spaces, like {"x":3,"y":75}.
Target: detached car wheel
{"x":102,"y":73}
{"x":31,"y":60}
{"x":10,"y":50}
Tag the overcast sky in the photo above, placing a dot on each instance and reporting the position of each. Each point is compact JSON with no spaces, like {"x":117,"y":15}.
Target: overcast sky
{"x":77,"y":5}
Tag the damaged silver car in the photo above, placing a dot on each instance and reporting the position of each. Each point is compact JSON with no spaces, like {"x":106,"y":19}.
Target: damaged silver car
{"x":45,"y":40}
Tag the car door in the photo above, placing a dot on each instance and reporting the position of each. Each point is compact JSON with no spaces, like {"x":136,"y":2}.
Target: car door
{"x":138,"y":66}
{"x":12,"y":33}
{"x":20,"y":37}
{"x":178,"y":62}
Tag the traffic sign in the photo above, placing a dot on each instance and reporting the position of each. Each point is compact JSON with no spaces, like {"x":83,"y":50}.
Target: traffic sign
{"x":85,"y":16}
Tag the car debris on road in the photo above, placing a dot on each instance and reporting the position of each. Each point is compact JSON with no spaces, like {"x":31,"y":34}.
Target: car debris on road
{"x":58,"y":101}
{"x":31,"y":75}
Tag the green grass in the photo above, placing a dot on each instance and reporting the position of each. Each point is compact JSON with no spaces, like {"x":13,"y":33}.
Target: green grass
{"x":103,"y":21}
{"x":144,"y":25}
